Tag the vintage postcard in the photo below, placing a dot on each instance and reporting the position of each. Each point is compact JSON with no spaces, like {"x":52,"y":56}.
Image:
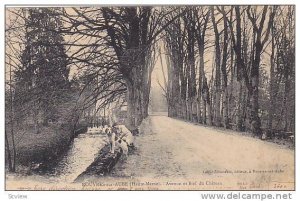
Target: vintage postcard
{"x":169,"y":97}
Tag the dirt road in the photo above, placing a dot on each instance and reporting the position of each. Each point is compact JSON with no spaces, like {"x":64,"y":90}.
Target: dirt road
{"x":175,"y":151}
{"x":172,"y":154}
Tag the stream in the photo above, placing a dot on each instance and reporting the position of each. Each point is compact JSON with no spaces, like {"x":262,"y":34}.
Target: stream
{"x":80,"y":154}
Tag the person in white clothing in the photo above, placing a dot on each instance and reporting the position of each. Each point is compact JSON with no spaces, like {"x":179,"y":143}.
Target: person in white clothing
{"x":124,"y":134}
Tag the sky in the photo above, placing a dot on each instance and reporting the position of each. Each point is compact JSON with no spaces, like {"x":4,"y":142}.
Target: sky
{"x":157,"y":75}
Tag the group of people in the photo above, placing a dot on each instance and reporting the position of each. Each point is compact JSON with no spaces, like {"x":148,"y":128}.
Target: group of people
{"x":119,"y":136}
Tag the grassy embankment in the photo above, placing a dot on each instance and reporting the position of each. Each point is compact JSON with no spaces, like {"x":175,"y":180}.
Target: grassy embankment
{"x":44,"y":147}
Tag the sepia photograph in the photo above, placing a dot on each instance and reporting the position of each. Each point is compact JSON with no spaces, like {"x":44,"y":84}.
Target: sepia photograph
{"x":149,"y":97}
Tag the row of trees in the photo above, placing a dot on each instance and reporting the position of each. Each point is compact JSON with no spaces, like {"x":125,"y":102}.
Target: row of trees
{"x":233,"y":65}
{"x":120,"y":40}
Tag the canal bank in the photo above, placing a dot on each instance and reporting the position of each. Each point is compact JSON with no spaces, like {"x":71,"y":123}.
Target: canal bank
{"x":79,"y":155}
{"x":39,"y":150}
{"x":87,"y":155}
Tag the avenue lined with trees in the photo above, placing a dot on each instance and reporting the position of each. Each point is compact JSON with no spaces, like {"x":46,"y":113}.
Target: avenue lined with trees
{"x":226,"y":66}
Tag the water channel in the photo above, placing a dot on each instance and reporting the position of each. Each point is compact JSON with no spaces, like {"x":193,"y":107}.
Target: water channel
{"x":81,"y":153}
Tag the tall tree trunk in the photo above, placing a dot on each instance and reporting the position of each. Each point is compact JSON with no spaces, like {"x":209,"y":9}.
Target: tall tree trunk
{"x":9,"y":158}
{"x":258,"y":45}
{"x":224,"y":71}
{"x":201,"y":30}
{"x":202,"y":80}
{"x":217,"y":99}
{"x":206,"y":95}
{"x":11,"y":116}
{"x":225,"y":108}
{"x":240,"y":72}
{"x":241,"y":107}
{"x":132,"y":104}
{"x":285,"y":104}
{"x":254,"y":116}
{"x":201,"y":99}
{"x":272,"y":77}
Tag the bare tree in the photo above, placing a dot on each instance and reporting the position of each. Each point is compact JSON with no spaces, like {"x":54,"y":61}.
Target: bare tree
{"x":202,"y":15}
{"x":258,"y":45}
